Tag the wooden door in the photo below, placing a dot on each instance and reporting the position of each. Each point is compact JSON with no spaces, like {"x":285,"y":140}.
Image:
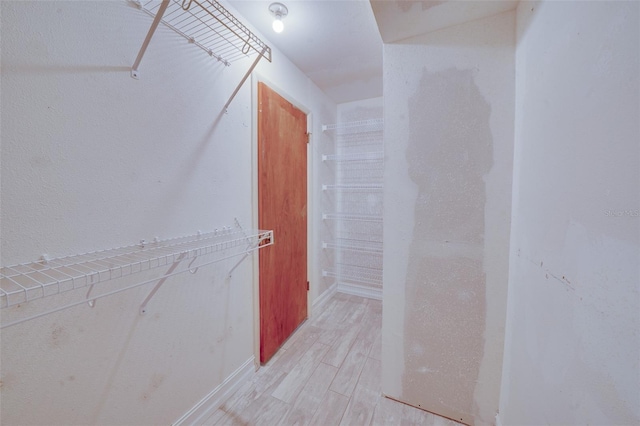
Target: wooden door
{"x":282,"y":204}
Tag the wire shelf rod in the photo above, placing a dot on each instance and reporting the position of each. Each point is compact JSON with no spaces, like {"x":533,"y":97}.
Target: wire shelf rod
{"x":364,"y":249}
{"x":366,"y":156}
{"x":347,"y":216}
{"x":353,"y":187}
{"x":206,"y":24}
{"x":360,"y":241}
{"x":371,"y":125}
{"x":110,"y":293}
{"x":24,"y":282}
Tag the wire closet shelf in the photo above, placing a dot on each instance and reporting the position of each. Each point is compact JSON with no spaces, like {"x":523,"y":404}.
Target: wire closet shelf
{"x":208,"y":25}
{"x":354,"y":127}
{"x":29,"y":281}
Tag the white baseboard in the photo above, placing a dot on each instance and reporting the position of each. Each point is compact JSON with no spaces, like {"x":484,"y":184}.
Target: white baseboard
{"x":362,"y":291}
{"x":498,"y":421}
{"x":323,"y":298}
{"x":216,"y":397}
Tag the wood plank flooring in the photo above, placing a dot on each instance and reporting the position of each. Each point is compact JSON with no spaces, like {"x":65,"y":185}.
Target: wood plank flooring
{"x":327,"y":373}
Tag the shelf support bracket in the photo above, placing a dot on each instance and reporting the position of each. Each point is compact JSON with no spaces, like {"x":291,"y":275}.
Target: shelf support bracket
{"x":248,"y":73}
{"x":262,"y":240}
{"x":143,"y":305}
{"x":147,"y":40}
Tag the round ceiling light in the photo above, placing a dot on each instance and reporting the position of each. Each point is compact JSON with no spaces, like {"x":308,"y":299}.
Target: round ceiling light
{"x":279,"y":11}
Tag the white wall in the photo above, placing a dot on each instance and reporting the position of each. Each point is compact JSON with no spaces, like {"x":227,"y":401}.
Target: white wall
{"x":363,"y":109}
{"x":448,"y":108}
{"x":93,"y":159}
{"x":572,"y":344}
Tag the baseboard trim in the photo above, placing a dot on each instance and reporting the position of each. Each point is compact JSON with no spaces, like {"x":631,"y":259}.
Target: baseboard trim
{"x":356,"y":290}
{"x":498,"y":421}
{"x":323,"y":298}
{"x":216,"y":397}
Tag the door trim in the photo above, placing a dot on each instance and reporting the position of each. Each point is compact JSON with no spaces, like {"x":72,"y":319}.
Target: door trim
{"x":257,"y":77}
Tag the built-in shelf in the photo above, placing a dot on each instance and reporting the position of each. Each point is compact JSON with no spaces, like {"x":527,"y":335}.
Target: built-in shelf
{"x":354,"y":127}
{"x":26,"y":282}
{"x":356,"y":239}
{"x":365,"y":156}
{"x":353,"y":187}
{"x":366,"y":247}
{"x":347,"y":216}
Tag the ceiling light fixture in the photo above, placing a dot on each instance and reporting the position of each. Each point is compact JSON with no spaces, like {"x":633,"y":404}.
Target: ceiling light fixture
{"x":279,"y":11}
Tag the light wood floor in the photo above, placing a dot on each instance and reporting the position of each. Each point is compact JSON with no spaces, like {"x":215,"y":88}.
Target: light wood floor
{"x":327,"y":373}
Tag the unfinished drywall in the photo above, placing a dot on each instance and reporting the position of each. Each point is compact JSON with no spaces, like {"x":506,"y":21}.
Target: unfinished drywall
{"x":449,"y":153}
{"x":93,"y":159}
{"x":448,"y":106}
{"x":572,"y":345}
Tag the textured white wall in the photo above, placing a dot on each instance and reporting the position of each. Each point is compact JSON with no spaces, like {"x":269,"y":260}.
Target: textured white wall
{"x":449,"y":108}
{"x":572,"y":345}
{"x":92,"y":159}
{"x":363,"y":109}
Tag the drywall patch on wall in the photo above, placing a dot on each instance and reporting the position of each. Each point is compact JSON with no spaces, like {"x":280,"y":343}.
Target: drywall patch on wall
{"x":484,"y":50}
{"x":450,"y":151}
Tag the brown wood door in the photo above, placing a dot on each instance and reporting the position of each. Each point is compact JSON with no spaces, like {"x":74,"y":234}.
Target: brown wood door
{"x":282,"y":204}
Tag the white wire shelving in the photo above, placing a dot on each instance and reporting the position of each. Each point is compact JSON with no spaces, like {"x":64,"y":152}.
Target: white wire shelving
{"x":362,"y":247}
{"x":356,"y":220}
{"x":354,"y":127}
{"x":348,"y":216}
{"x":207,"y":25}
{"x":364,"y":156}
{"x":353,"y":187}
{"x":36,"y":280}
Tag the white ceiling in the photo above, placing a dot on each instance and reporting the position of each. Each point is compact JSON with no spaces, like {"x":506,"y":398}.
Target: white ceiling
{"x":335,"y":42}
{"x":401,"y":20}
{"x":338,"y":43}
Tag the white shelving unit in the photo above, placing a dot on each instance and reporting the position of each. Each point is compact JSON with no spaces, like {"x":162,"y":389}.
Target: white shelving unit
{"x":357,"y":274}
{"x":361,"y":127}
{"x":355,"y":217}
{"x":357,"y":220}
{"x":208,"y":25}
{"x":375,"y":187}
{"x":26,"y":282}
{"x":365,"y":156}
{"x":359,"y":246}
